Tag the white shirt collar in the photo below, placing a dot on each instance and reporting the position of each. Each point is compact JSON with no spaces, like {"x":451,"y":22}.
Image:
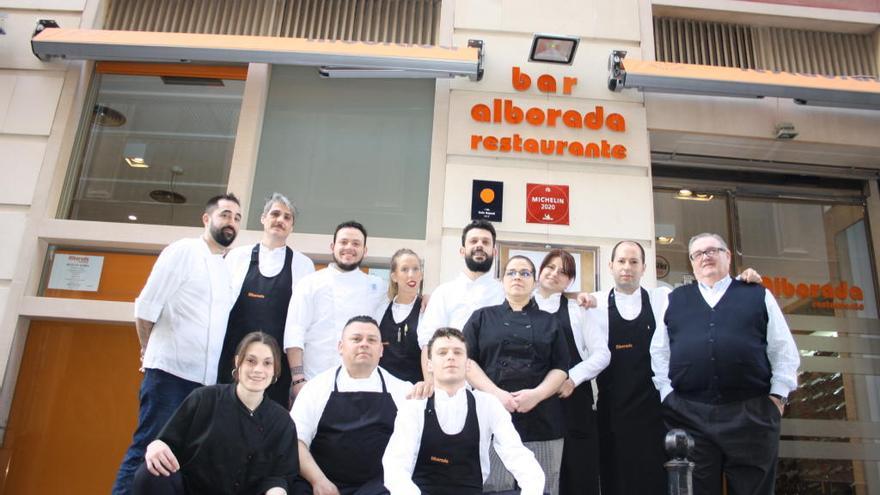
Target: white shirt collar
{"x":482,"y":279}
{"x":719,"y":285}
{"x":623,"y":295}
{"x":441,"y":395}
{"x":266,"y":249}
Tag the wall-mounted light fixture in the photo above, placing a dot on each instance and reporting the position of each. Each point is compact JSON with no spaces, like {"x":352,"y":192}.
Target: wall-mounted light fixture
{"x":553,"y":49}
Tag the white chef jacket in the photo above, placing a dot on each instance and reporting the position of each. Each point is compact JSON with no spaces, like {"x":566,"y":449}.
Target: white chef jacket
{"x":496,"y":429}
{"x":452,"y":303}
{"x":590,"y":339}
{"x":188,"y":296}
{"x":270,"y":262}
{"x":781,"y":349}
{"x":320,"y":306}
{"x":312,"y":399}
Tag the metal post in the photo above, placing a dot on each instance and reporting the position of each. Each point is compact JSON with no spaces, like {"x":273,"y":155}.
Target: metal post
{"x":680,"y":470}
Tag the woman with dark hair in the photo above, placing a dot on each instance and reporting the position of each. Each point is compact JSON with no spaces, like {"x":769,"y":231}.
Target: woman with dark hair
{"x":399,"y":318}
{"x":588,"y":350}
{"x":226,"y":439}
{"x":519,"y":355}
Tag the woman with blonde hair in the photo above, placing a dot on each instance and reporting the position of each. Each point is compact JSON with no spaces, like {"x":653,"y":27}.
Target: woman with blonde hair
{"x":399,"y":317}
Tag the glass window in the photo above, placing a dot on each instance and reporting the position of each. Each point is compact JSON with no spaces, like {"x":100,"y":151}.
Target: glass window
{"x":344,"y":149}
{"x":154,"y":147}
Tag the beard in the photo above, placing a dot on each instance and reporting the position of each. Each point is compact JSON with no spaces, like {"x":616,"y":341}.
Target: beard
{"x":346,"y":267}
{"x":479,"y":266}
{"x":223,"y":235}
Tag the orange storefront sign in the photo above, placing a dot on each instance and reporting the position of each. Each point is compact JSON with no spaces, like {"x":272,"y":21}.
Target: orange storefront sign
{"x":841,"y":295}
{"x":506,"y":111}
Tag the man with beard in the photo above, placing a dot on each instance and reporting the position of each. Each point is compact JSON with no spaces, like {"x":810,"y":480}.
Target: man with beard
{"x":725,"y":362}
{"x":452,"y":303}
{"x":324,"y":301}
{"x":180,"y":317}
{"x":263,"y":277}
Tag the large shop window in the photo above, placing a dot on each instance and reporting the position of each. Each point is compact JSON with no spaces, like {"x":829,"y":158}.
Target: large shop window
{"x":815,"y":256}
{"x":155,"y":143}
{"x":346,"y":149}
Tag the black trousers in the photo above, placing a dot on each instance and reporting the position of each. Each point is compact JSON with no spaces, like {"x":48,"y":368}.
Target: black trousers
{"x":579,"y":473}
{"x":372,"y":487}
{"x":738,"y":439}
{"x":146,"y":484}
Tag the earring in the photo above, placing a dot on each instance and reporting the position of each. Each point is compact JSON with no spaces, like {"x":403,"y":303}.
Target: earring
{"x":234,"y":373}
{"x":274,"y":379}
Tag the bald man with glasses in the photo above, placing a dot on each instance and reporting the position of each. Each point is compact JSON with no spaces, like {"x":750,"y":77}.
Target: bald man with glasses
{"x":725,"y":362}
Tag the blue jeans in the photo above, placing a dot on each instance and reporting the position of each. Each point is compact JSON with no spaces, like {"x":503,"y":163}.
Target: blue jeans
{"x":160,"y":395}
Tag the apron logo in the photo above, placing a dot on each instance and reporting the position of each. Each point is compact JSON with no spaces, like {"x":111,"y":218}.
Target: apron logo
{"x":439,"y":459}
{"x":255,"y":295}
{"x":618,"y":347}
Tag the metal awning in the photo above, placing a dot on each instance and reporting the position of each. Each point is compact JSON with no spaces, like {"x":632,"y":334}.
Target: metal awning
{"x":805,"y":89}
{"x":345,"y":57}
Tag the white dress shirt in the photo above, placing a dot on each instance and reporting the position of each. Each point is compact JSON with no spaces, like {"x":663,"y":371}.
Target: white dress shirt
{"x":188,"y":296}
{"x":452,"y":303}
{"x":781,"y":349}
{"x":270,"y":261}
{"x":312,"y":399}
{"x":495,"y":428}
{"x":591,"y":339}
{"x":320,"y":306}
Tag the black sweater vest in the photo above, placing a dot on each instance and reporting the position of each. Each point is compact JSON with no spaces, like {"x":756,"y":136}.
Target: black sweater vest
{"x":718,"y":354}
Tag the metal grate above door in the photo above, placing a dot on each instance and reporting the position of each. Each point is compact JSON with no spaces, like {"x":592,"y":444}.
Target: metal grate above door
{"x":388,"y":21}
{"x":690,"y":41}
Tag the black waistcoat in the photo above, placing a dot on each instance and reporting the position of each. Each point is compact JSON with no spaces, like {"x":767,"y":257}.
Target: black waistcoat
{"x":718,"y":354}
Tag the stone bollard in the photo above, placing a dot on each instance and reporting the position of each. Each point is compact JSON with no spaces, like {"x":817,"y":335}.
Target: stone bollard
{"x":680,"y":470}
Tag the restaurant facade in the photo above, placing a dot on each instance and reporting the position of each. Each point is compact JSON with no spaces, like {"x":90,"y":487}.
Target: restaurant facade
{"x":758,"y":120}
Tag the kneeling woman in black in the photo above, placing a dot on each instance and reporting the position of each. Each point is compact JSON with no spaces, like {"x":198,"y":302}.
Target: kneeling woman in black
{"x":227,"y":439}
{"x":399,"y":318}
{"x":520,"y":355}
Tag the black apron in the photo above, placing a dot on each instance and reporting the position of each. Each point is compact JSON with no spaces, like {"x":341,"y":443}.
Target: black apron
{"x":449,"y":464}
{"x":402,"y":356}
{"x":630,"y":420}
{"x":352,"y":435}
{"x":579,"y":473}
{"x":261,"y":305}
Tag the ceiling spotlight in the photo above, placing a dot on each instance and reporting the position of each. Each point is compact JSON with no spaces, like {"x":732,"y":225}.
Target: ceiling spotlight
{"x":685,"y":193}
{"x":785,"y":131}
{"x":134,"y":154}
{"x":133,"y":218}
{"x":665,"y":241}
{"x":136,"y":162}
{"x":554,"y":49}
{"x":692,"y":196}
{"x":108,"y":117}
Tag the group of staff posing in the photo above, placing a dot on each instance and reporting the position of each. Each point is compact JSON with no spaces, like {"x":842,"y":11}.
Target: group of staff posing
{"x":485,"y":385}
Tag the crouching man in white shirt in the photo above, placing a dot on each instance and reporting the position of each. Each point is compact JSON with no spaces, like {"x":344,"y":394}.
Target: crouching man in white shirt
{"x":441,"y":445}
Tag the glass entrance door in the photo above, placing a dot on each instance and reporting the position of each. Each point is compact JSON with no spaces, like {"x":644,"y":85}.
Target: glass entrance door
{"x":815,"y":257}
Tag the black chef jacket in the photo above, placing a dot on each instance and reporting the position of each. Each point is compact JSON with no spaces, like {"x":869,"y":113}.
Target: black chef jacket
{"x":224,"y":449}
{"x":517,"y":349}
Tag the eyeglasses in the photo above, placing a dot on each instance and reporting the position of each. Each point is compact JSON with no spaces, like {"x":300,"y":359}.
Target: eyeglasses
{"x":711,"y":252}
{"x":521,"y":273}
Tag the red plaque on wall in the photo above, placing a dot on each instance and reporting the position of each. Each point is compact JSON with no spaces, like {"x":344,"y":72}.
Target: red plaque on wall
{"x":546,"y":203}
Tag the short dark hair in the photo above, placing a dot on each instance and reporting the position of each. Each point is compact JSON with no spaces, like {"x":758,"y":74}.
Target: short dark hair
{"x":360,"y":319}
{"x":641,"y":249}
{"x":443,"y":332}
{"x":521,"y":257}
{"x":212,"y":203}
{"x":262,"y":338}
{"x":568,"y":266}
{"x":478,"y":224}
{"x":350,"y":224}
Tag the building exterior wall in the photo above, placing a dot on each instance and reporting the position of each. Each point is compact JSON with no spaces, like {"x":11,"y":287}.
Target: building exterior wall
{"x":41,"y":105}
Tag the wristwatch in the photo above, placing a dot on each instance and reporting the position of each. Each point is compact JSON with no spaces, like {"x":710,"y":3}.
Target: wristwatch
{"x":782,"y":399}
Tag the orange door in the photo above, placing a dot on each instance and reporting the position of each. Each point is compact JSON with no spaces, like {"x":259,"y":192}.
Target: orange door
{"x":74,"y":410}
